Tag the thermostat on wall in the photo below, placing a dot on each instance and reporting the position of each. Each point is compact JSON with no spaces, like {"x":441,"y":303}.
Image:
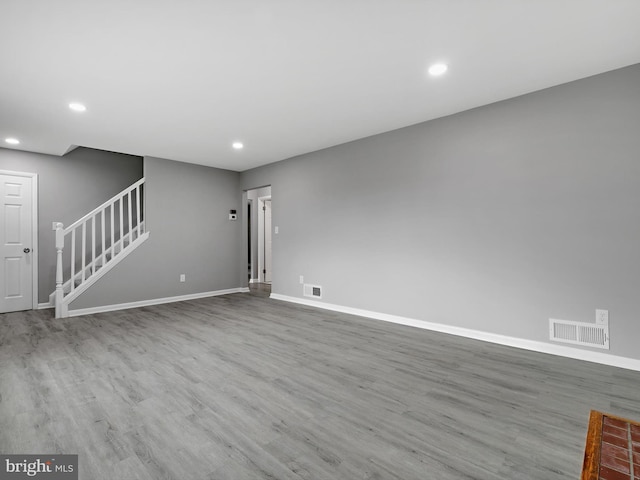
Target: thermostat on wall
{"x":233,"y":215}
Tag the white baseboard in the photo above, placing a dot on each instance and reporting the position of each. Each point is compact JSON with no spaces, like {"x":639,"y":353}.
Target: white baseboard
{"x":536,"y":346}
{"x":155,"y":301}
{"x":44,"y":306}
{"x":254,"y":280}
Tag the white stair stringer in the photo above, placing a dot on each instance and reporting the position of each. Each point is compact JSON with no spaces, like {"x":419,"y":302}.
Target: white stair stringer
{"x":102,"y":271}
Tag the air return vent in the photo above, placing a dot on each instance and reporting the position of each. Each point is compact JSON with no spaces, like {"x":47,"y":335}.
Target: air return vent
{"x":312,"y":291}
{"x":579,"y":333}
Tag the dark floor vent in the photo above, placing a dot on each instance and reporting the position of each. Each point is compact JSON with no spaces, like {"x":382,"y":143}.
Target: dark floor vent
{"x":314,"y":291}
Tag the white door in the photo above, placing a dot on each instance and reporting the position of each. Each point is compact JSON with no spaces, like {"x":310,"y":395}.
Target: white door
{"x":267,"y":241}
{"x":16,"y":278}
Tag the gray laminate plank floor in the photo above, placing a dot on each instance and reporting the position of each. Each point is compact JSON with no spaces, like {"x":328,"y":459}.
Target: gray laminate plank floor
{"x":243,"y":387}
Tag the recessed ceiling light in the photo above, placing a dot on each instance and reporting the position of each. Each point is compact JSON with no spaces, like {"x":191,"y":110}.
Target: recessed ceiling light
{"x":77,"y":107}
{"x":437,"y":69}
{"x":12,"y":141}
{"x":238,"y":145}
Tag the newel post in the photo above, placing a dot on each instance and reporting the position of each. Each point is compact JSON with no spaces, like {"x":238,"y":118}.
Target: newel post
{"x":59,"y":228}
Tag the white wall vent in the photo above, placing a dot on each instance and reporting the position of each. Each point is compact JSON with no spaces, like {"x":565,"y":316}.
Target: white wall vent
{"x":579,"y":333}
{"x":314,"y":291}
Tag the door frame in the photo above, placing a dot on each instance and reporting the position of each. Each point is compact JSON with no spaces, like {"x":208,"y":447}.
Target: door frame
{"x":251,"y":211}
{"x":34,"y":233}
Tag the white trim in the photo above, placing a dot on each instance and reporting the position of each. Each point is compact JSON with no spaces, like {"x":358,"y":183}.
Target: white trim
{"x":540,"y":347}
{"x":17,"y":174}
{"x":154,"y":301}
{"x":45,"y":306}
{"x":254,"y":280}
{"x":34,"y":230}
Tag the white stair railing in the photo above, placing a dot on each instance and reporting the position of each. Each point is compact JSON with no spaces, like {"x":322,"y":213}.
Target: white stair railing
{"x":96,"y":242}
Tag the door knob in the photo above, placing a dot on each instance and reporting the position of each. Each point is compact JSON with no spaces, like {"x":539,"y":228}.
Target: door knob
{"x":26,"y":250}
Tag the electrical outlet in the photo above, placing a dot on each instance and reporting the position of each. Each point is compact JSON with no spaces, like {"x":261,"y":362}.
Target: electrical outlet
{"x":301,"y":280}
{"x":602,"y":317}
{"x":183,"y":277}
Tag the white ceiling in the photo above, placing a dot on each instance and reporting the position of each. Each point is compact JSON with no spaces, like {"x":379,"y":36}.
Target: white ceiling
{"x":183,"y":79}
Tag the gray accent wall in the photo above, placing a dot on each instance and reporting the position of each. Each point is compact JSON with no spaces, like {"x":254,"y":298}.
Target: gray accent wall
{"x":494,"y":219}
{"x":69,"y":187}
{"x":187,"y":215}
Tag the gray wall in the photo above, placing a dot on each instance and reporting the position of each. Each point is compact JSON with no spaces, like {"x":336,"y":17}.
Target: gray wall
{"x":187,"y":215}
{"x":69,"y":187}
{"x":494,"y":219}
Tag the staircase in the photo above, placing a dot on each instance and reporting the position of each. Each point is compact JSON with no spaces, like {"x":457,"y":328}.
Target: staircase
{"x":91,"y":246}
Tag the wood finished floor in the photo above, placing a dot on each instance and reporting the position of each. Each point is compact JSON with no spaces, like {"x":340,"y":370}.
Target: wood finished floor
{"x":243,"y":387}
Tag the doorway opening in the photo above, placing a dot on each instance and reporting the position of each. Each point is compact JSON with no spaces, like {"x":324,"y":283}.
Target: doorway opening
{"x":266,"y":240}
{"x":259,"y":231}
